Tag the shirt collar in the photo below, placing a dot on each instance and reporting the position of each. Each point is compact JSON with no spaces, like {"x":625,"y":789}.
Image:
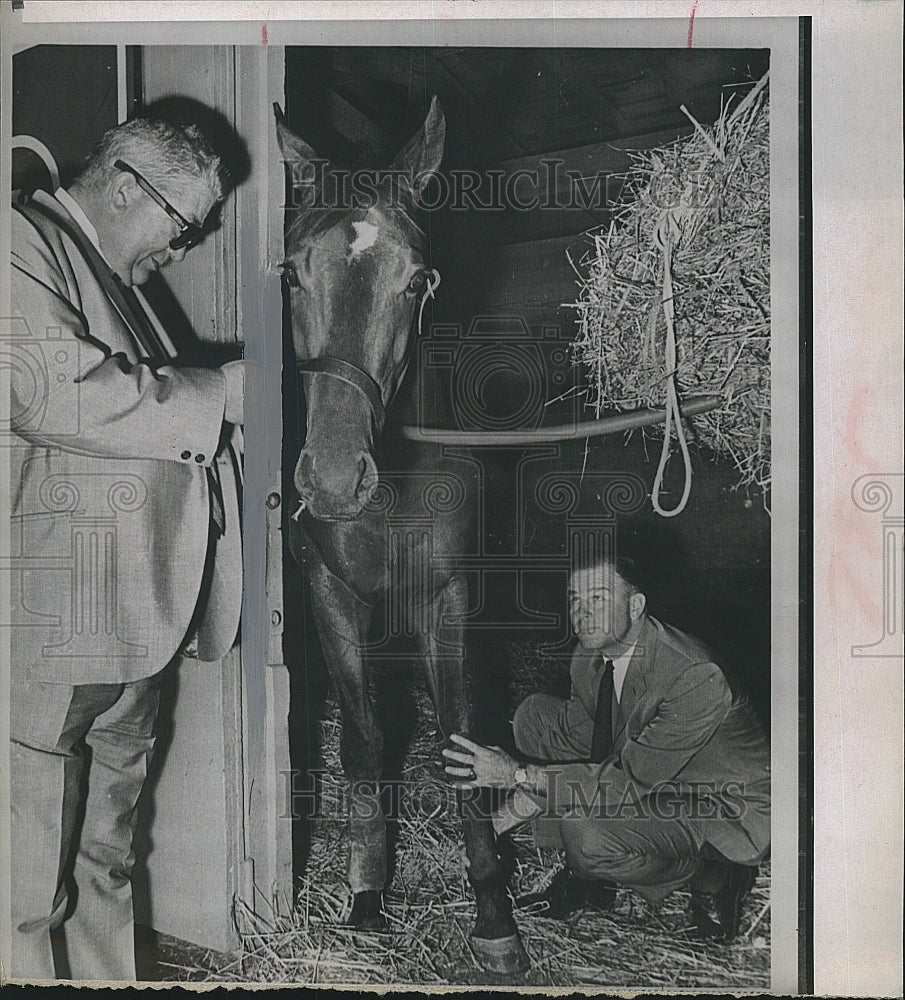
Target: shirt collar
{"x":620,"y":668}
{"x":82,"y":220}
{"x":621,"y":663}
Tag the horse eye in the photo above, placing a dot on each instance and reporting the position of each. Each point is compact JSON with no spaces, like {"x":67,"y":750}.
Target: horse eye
{"x":289,"y":275}
{"x":419,"y":279}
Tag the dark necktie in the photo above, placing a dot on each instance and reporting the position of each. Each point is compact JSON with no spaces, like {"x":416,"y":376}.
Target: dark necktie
{"x":126,"y":301}
{"x":602,"y":740}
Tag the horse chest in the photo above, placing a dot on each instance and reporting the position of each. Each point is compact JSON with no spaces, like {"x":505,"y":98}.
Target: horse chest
{"x":407,"y":543}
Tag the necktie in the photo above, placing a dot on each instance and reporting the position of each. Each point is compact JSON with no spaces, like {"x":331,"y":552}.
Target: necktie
{"x":126,"y":301}
{"x":602,"y":740}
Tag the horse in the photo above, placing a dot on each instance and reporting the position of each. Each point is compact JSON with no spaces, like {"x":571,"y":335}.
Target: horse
{"x":377,"y":531}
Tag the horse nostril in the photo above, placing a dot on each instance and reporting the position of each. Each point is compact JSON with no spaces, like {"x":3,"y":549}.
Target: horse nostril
{"x":303,"y":477}
{"x":367,"y":479}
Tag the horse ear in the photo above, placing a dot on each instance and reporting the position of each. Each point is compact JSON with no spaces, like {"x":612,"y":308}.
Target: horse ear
{"x":293,"y":148}
{"x":422,"y":154}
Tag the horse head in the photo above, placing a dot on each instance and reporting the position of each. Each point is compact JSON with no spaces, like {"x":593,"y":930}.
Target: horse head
{"x":355,"y":274}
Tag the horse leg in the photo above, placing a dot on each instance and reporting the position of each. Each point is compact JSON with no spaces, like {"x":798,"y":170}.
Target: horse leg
{"x":342,"y":623}
{"x":495,"y":936}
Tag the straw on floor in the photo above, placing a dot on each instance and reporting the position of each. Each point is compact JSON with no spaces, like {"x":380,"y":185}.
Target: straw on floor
{"x":431,"y":909}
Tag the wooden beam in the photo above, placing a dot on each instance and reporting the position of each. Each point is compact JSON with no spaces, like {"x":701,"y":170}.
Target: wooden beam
{"x":487,"y":93}
{"x":586,"y":185}
{"x":353,"y":124}
{"x":610,"y":157}
{"x":536,"y":275}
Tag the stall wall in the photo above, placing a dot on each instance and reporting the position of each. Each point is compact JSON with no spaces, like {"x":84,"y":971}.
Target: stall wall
{"x":218,"y":831}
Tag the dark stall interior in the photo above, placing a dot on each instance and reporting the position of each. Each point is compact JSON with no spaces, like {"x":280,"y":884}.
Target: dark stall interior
{"x":505,"y":277}
{"x":87,"y":75}
{"x":509,"y":110}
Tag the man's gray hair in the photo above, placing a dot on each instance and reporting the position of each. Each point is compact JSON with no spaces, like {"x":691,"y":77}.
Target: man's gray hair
{"x":168,"y":156}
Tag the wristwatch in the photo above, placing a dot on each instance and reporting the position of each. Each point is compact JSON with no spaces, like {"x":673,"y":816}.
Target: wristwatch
{"x":521,"y":776}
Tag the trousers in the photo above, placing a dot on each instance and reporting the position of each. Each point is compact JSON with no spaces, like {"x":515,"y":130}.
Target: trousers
{"x":79,"y":756}
{"x":653,"y":852}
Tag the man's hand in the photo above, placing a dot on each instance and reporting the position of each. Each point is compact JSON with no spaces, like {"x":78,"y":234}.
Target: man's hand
{"x":234,"y":412}
{"x":475,"y":766}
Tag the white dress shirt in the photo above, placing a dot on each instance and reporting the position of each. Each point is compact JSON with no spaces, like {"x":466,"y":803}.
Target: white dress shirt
{"x":620,"y":668}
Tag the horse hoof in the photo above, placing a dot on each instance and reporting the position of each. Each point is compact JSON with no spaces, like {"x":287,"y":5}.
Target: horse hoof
{"x":367,"y":914}
{"x":504,"y":954}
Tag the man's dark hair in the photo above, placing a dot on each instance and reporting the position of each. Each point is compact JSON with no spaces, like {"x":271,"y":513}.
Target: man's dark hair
{"x":624,"y":565}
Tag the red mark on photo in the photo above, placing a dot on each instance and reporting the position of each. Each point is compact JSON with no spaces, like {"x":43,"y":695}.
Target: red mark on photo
{"x":264,"y":34}
{"x":691,"y":24}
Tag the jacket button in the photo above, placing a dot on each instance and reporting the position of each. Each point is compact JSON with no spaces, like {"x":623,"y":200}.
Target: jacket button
{"x":199,"y":459}
{"x":186,"y":454}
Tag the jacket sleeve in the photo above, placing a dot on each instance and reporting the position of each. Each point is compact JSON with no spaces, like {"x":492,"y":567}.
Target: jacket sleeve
{"x":567,"y":734}
{"x":569,"y":731}
{"x":69,"y":390}
{"x":686,"y":718}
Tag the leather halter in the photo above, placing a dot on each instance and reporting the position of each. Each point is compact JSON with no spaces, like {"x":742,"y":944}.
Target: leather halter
{"x":351,"y":374}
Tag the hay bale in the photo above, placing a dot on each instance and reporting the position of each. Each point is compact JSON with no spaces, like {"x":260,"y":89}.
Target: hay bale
{"x":699,"y":209}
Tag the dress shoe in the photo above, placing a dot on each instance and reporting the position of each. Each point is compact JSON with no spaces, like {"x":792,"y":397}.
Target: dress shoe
{"x":725,"y":903}
{"x":567,"y":894}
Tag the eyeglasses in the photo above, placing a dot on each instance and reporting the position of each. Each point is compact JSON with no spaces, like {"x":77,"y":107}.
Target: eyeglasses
{"x":190,"y":233}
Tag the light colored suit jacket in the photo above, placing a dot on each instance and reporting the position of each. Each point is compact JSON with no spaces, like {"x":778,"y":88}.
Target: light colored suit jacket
{"x":110,"y":536}
{"x":678,"y":723}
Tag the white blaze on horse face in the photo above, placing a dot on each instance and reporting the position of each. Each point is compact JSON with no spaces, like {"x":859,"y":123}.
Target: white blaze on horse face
{"x":366,"y":234}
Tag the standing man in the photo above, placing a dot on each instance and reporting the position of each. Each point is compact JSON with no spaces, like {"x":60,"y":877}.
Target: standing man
{"x":653,"y":774}
{"x":125,"y":529}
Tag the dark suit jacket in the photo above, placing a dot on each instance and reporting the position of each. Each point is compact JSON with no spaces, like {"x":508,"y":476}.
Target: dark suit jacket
{"x":680,"y":726}
{"x":110,"y":504}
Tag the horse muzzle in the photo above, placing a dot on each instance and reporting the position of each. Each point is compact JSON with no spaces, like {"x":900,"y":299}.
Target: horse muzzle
{"x":335,"y":488}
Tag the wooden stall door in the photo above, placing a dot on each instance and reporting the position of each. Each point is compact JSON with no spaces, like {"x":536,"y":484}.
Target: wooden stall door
{"x":214,"y":841}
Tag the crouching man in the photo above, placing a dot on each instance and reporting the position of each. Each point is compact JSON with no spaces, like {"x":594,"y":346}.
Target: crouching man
{"x":653,"y":774}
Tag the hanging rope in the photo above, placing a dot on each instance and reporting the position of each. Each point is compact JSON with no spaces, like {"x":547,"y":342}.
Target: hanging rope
{"x":673,"y":411}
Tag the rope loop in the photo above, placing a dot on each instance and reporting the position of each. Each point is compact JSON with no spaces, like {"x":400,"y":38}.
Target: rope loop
{"x":673,"y":410}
